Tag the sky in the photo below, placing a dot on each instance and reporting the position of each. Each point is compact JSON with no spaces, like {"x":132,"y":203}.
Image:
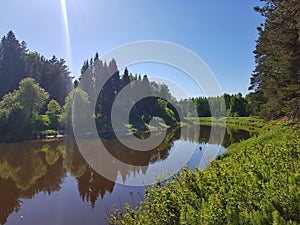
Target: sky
{"x":221,"y":33}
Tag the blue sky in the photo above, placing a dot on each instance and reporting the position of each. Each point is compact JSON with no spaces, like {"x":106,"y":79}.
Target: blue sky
{"x":222,"y":33}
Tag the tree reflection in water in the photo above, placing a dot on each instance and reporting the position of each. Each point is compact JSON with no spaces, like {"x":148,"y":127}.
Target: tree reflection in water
{"x":28,"y":168}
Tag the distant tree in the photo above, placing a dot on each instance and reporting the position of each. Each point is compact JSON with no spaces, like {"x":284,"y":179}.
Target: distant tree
{"x":56,"y":79}
{"x":87,"y":78}
{"x":54,"y":111}
{"x":125,"y":78}
{"x":35,"y":66}
{"x":10,"y":107}
{"x":96,"y":56}
{"x":102,"y":81}
{"x":146,"y":105}
{"x":19,"y":113}
{"x":12,"y":67}
{"x":52,"y":75}
{"x":100,"y":74}
{"x":234,"y":105}
{"x":111,"y":87}
{"x":163,"y":111}
{"x":146,"y":86}
{"x":84,"y":67}
{"x":164,"y":92}
{"x":31,"y":97}
{"x":190,"y":106}
{"x":202,"y":107}
{"x":237,"y":106}
{"x":77,"y":99}
{"x":114,"y":75}
{"x":217,"y":106}
{"x":227,"y":98}
{"x":17,"y":62}
{"x":154,"y":88}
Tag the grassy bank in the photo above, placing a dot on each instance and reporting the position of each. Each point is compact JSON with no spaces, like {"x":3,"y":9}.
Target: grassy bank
{"x":256,"y":181}
{"x":242,"y":122}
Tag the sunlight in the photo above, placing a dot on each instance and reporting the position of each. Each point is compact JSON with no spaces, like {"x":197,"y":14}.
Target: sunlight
{"x":67,"y":33}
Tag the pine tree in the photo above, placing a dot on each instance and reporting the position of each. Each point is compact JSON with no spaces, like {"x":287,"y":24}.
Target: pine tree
{"x":17,"y":62}
{"x":276,"y":79}
{"x":12,"y":68}
{"x":111,"y":87}
{"x":125,"y":78}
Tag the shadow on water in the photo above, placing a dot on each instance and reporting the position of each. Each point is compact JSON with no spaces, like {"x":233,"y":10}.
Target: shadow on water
{"x":34,"y":172}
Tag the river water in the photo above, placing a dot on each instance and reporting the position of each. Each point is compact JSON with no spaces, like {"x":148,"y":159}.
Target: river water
{"x":49,"y":182}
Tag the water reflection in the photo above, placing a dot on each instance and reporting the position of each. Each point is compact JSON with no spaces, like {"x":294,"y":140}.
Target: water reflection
{"x":232,"y":135}
{"x":35,"y":167}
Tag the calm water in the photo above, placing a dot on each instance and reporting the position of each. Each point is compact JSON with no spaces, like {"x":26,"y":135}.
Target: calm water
{"x":49,"y":182}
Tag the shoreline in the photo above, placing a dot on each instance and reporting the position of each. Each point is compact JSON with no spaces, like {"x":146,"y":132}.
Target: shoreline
{"x":264,"y":165}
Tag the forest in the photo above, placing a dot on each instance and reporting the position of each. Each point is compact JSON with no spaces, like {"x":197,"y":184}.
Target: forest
{"x":37,"y":95}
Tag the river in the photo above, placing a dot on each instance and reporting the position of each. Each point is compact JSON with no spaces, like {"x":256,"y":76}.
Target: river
{"x":49,"y":182}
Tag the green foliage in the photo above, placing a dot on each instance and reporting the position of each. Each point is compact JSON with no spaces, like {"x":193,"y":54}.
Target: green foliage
{"x":254,"y":182}
{"x":275,"y":81}
{"x":17,"y":62}
{"x":94,"y":72}
{"x":19,"y":114}
{"x":166,"y":113}
{"x":9,"y":106}
{"x":237,"y":106}
{"x":41,"y":122}
{"x":202,"y":106}
{"x":54,"y":112}
{"x":230,"y":105}
{"x":31,"y":97}
{"x":12,"y":63}
{"x":49,"y":132}
{"x":80,"y":100}
{"x":252,"y":124}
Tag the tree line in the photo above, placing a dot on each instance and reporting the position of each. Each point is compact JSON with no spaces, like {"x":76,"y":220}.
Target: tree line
{"x":32,"y":90}
{"x":22,"y":113}
{"x":17,"y":63}
{"x":95,"y":73}
{"x":225,"y":105}
{"x":37,"y":95}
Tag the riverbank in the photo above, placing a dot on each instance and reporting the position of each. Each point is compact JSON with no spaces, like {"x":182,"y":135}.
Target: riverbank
{"x":20,"y":137}
{"x":256,"y":181}
{"x":246,"y":123}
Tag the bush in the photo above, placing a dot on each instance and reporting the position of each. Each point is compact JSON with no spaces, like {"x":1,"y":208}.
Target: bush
{"x":49,"y":133}
{"x":41,"y":122}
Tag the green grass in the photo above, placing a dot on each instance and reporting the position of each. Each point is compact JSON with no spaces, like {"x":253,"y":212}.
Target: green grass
{"x":249,"y":121}
{"x":256,"y":181}
{"x":246,"y":123}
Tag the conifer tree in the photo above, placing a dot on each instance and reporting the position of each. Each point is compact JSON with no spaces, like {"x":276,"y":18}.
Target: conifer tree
{"x":276,"y":79}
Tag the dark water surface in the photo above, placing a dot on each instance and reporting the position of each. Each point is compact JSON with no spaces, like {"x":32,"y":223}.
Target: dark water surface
{"x":49,"y":182}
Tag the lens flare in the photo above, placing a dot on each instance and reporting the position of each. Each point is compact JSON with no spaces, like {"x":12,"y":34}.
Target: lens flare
{"x":67,"y":33}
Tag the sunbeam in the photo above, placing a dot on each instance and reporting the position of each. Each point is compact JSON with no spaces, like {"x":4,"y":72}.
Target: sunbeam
{"x":67,"y":33}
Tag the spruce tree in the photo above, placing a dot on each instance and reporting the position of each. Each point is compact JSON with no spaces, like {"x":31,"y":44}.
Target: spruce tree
{"x":276,"y":79}
{"x":12,"y":68}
